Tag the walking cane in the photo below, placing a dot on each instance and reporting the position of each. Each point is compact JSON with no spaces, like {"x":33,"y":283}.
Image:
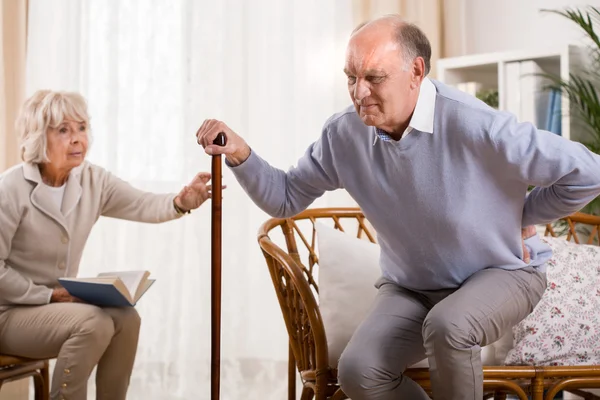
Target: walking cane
{"x":215,"y":336}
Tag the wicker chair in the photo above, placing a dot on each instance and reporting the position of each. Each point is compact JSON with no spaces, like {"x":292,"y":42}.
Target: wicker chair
{"x":15,"y":368}
{"x":297,"y":293}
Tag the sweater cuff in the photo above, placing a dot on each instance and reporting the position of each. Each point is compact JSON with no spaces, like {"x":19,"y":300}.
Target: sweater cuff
{"x":175,"y":214}
{"x":248,"y":169}
{"x":539,"y":251}
{"x":49,"y":299}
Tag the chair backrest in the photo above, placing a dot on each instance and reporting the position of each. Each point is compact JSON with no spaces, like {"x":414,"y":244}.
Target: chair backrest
{"x":292,"y":261}
{"x":575,"y":227}
{"x":291,"y":256}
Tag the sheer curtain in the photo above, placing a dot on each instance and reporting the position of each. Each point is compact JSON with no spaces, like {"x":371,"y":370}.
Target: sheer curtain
{"x":13,"y":39}
{"x":152,"y":71}
{"x":13,"y":44}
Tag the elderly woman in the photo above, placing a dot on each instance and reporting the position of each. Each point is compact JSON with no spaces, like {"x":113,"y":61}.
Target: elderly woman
{"x":48,"y":206}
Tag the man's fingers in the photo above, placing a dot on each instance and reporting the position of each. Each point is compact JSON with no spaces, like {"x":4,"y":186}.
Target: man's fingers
{"x":526,"y":256}
{"x":208,"y":132}
{"x":203,"y":131}
{"x":200,"y":131}
{"x":213,"y":149}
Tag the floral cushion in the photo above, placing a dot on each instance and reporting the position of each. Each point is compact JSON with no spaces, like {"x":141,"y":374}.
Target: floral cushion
{"x":564,"y":328}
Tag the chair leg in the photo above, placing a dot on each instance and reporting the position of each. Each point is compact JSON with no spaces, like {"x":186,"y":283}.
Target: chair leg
{"x":40,"y":373}
{"x":46,"y":380}
{"x":307,"y":393}
{"x":339,"y":395}
{"x":537,"y":388}
{"x":41,"y":381}
{"x":291,"y":374}
{"x":38,"y":384}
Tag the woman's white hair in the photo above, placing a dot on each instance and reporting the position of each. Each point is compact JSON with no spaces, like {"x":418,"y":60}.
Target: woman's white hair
{"x":46,"y":109}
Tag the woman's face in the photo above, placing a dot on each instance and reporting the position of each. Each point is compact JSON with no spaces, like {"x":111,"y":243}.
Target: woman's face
{"x":67,"y":144}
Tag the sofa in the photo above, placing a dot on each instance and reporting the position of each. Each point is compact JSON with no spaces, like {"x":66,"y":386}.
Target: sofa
{"x":323,"y":264}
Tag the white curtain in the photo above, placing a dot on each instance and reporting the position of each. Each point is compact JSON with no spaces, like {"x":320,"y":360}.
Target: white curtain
{"x":152,"y":71}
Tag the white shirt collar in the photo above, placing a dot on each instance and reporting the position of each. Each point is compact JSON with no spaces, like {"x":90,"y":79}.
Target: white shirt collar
{"x":423,"y":115}
{"x":422,"y":119}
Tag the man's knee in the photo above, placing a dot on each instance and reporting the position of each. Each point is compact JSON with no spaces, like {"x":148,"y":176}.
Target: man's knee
{"x":361,"y":374}
{"x":444,"y":327}
{"x":351,"y":372}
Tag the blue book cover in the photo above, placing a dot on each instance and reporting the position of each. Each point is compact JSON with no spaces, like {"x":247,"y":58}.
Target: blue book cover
{"x":107,"y":291}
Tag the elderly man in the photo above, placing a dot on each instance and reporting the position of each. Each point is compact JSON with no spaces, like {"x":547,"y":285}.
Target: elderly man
{"x":428,"y":165}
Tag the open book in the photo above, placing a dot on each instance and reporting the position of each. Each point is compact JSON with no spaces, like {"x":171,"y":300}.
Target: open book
{"x":110,"y":289}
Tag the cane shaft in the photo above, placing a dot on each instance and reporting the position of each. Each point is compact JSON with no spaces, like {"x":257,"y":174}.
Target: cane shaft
{"x":216,"y":276}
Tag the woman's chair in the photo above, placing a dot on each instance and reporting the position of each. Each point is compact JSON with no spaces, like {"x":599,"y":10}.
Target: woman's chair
{"x":297,"y":290}
{"x":16,"y":368}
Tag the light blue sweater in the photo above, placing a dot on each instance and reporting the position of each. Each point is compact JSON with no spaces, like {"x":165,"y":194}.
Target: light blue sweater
{"x":444,"y":204}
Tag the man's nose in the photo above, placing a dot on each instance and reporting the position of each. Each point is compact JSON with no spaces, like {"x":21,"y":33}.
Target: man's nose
{"x":361,"y":90}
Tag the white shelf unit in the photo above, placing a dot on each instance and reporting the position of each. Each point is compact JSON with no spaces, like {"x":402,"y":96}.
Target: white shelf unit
{"x":490,"y":70}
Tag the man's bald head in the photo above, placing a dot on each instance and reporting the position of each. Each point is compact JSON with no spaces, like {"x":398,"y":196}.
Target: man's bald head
{"x":409,"y":37}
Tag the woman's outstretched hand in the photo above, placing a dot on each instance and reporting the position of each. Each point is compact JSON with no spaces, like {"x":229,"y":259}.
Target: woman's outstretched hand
{"x":195,"y":193}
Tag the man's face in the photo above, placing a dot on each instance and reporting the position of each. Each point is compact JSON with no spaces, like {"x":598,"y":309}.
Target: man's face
{"x":378,"y":82}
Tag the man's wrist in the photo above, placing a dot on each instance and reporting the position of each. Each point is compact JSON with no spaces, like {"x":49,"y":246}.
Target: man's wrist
{"x":239,"y":157}
{"x":528,"y":231}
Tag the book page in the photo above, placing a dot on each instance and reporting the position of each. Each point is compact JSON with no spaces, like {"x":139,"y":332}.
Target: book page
{"x":143,"y":288}
{"x":131,"y":279}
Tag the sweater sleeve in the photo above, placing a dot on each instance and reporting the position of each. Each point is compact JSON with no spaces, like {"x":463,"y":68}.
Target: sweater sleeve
{"x":14,"y":287}
{"x":122,"y":200}
{"x":566,"y":174}
{"x":285,"y":194}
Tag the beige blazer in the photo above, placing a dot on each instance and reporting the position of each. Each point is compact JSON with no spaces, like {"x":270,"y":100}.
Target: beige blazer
{"x":40,"y":243}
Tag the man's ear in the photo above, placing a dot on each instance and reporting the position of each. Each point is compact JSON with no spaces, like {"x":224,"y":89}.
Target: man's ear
{"x":418,"y":70}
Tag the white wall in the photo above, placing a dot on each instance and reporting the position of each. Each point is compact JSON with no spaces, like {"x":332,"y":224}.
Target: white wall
{"x":502,"y":25}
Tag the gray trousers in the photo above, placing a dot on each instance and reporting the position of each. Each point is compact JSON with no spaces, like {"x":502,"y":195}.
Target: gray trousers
{"x":80,"y":336}
{"x":446,"y":326}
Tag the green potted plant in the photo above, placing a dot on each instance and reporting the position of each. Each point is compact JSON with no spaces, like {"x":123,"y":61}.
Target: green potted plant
{"x":582,"y":89}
